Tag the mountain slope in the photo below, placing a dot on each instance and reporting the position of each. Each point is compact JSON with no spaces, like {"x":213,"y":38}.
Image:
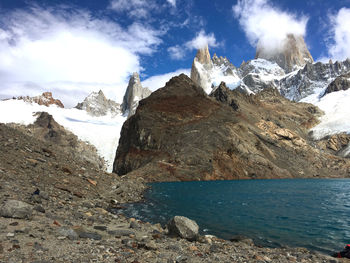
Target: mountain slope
{"x":179,"y":133}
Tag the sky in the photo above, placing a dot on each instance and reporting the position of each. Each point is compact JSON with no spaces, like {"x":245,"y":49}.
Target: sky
{"x":74,"y":47}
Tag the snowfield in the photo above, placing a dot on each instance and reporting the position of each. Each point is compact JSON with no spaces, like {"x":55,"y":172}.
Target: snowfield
{"x":337,"y":113}
{"x":102,"y":132}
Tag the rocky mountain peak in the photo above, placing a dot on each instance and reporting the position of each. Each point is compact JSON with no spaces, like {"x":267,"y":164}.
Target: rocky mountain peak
{"x":134,"y":93}
{"x":201,"y":67}
{"x":293,"y":53}
{"x":44,"y":99}
{"x":96,"y":104}
{"x":203,"y":55}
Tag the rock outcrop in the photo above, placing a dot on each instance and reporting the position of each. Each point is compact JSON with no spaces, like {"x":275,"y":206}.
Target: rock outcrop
{"x":201,"y":69}
{"x":96,"y":104}
{"x":45,"y":99}
{"x":179,"y":133}
{"x":134,"y":93}
{"x":292,"y":54}
{"x":340,"y":83}
{"x":45,"y":128}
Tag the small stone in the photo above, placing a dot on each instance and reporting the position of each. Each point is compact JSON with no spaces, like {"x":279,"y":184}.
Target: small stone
{"x":10,"y":234}
{"x":39,"y":208}
{"x":56,"y":223}
{"x":90,"y":235}
{"x":193,"y":248}
{"x":68,"y":232}
{"x":122,"y":232}
{"x":16,"y":209}
{"x":44,"y":195}
{"x":134,"y":224}
{"x":61,"y":237}
{"x":101,"y":228}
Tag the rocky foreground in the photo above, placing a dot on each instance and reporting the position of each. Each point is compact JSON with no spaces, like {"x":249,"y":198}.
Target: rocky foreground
{"x":56,"y":207}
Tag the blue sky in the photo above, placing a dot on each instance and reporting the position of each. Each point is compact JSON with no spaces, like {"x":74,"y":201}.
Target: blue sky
{"x":77,"y":46}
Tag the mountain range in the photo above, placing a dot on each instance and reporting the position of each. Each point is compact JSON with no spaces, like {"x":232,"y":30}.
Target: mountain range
{"x":279,"y":115}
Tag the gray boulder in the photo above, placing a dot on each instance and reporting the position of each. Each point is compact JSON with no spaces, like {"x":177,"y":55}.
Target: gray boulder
{"x":16,"y":209}
{"x":183,"y":227}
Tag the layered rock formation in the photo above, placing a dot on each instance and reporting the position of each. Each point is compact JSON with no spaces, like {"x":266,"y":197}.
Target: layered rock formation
{"x":45,"y":99}
{"x":96,"y":104}
{"x":134,"y":93}
{"x":179,"y":133}
{"x":291,"y":54}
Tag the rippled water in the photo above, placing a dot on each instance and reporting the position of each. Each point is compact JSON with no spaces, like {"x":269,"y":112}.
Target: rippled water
{"x":312,"y":213}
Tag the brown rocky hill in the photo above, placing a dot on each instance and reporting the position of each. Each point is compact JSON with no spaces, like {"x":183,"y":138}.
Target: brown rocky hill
{"x":180,"y":133}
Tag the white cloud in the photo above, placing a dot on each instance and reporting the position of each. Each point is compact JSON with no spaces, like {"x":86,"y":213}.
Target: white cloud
{"x":267,"y":25}
{"x":134,"y":8}
{"x":340,"y":47}
{"x":172,"y":2}
{"x":177,"y":52}
{"x":158,"y":81}
{"x":69,"y":53}
{"x":199,"y":41}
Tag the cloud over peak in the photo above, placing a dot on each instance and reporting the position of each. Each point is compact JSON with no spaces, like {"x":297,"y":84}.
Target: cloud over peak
{"x":69,"y":51}
{"x":266,"y":25}
{"x":201,"y":40}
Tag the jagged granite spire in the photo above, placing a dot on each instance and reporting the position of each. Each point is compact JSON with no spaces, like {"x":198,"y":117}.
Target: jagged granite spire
{"x":293,"y":53}
{"x":96,"y":104}
{"x":201,"y":66}
{"x":134,"y":93}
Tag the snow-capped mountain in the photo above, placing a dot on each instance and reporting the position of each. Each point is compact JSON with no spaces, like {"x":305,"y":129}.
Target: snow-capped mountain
{"x":322,"y":84}
{"x":96,"y":104}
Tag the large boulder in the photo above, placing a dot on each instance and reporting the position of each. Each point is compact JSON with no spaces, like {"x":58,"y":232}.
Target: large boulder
{"x":16,"y":209}
{"x":183,"y":227}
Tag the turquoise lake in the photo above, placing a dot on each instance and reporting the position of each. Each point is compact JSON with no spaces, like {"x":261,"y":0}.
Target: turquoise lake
{"x":311,"y":213}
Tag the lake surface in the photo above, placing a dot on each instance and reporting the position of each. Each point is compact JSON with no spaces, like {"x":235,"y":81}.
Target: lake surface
{"x":311,"y":213}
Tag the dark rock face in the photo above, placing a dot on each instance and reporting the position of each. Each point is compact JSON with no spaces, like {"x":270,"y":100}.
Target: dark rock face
{"x":180,"y":133}
{"x":340,"y":83}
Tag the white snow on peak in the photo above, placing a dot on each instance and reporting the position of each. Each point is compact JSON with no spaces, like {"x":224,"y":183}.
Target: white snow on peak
{"x":102,"y":132}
